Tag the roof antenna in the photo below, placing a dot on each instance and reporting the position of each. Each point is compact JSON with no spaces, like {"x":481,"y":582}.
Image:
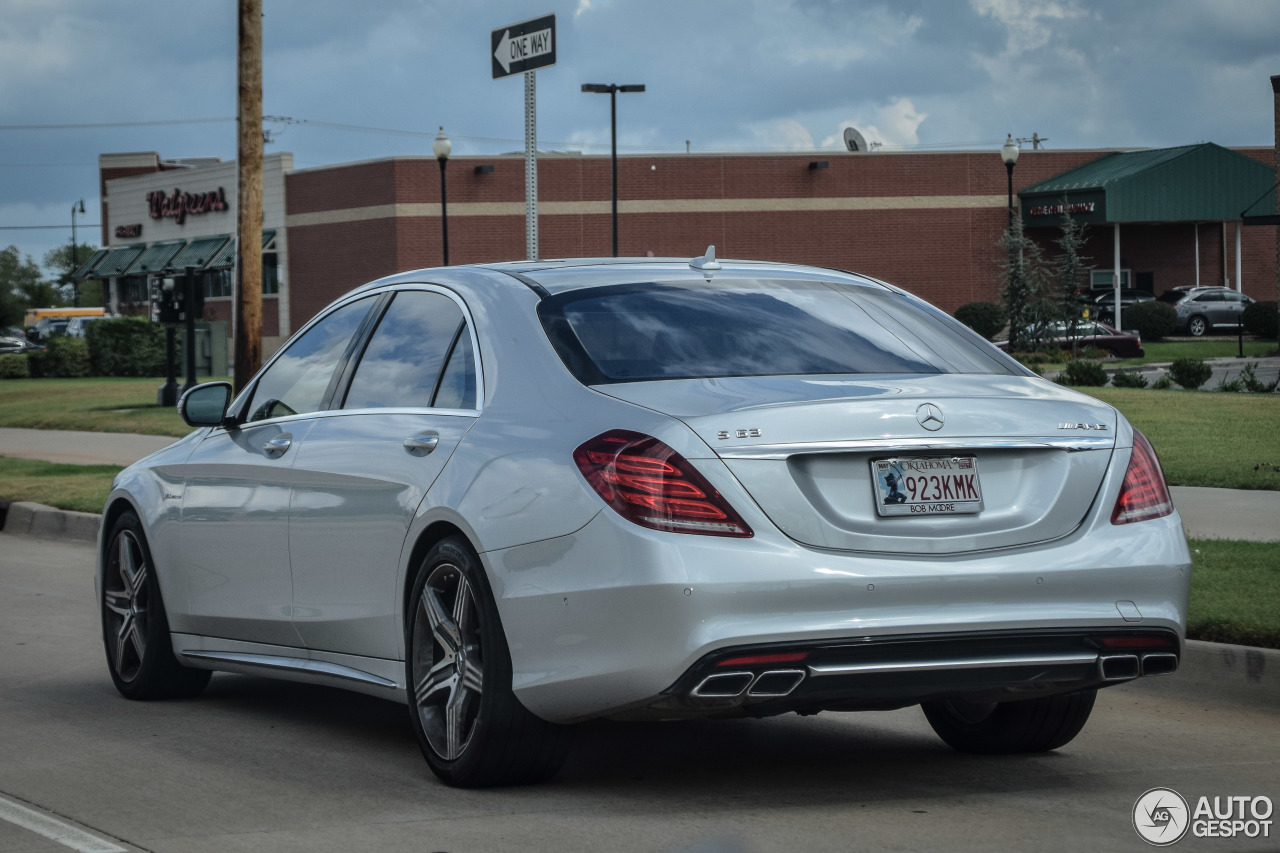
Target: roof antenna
{"x":707,"y":264}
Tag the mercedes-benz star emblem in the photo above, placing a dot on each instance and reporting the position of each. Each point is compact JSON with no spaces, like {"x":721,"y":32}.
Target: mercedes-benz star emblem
{"x":929,"y":416}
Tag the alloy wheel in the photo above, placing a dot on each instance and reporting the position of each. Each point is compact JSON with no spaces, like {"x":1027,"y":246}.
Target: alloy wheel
{"x":126,"y":601}
{"x":448,"y":667}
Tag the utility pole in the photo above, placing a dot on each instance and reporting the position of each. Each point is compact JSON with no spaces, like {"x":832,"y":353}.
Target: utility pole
{"x":249,"y":199}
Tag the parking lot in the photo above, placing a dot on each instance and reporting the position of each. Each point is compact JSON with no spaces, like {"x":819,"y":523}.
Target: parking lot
{"x":260,"y":765}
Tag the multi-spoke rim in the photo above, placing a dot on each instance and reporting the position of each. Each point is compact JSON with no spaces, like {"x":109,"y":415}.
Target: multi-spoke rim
{"x":125,"y":599}
{"x":448,"y":669}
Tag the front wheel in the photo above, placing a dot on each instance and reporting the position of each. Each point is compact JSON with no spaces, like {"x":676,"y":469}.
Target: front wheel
{"x":135,"y":628}
{"x":1197,"y":326}
{"x":1031,"y":725}
{"x":471,"y":728}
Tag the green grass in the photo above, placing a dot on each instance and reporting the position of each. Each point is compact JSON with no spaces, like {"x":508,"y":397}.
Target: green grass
{"x":100,"y":404}
{"x":1203,"y":438}
{"x":82,"y":488}
{"x":1161,"y":352}
{"x":1235,"y":588}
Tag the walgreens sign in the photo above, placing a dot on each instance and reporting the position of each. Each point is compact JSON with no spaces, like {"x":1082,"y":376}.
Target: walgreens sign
{"x":179,"y":205}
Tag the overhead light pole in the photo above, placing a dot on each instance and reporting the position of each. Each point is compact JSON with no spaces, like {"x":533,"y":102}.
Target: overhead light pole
{"x":442,"y":147}
{"x":612,"y":89}
{"x":1009,"y":154}
{"x":75,"y":288}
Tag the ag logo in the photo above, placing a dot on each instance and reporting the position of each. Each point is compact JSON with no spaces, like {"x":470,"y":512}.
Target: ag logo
{"x":1161,"y":816}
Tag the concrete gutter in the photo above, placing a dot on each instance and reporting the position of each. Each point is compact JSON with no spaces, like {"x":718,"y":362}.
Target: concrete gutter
{"x":1240,"y":675}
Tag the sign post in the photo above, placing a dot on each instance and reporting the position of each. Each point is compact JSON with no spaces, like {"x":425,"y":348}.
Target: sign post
{"x":522,"y":49}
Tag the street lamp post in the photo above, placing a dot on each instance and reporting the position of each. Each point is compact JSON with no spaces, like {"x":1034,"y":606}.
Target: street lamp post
{"x":442,"y":146}
{"x":75,"y":288}
{"x":1009,"y":154}
{"x":612,"y":89}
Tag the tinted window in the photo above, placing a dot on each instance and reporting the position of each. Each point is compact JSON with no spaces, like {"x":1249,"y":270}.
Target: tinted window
{"x":404,"y":357}
{"x":458,"y":384}
{"x":754,"y":328}
{"x":296,"y":382}
{"x":1208,"y":297}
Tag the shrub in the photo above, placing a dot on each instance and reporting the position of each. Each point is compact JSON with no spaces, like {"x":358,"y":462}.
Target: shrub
{"x":126,"y":346}
{"x":14,"y":366}
{"x":1164,"y":383}
{"x":1252,"y":383}
{"x":985,"y":318}
{"x":1190,"y":373}
{"x":64,"y":357}
{"x":1154,"y":320}
{"x":1083,"y":373}
{"x":1260,"y":319}
{"x":1235,"y":386}
{"x":1128,"y":379}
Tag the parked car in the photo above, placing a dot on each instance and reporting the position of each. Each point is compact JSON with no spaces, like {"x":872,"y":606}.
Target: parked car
{"x":518,"y":496}
{"x":48,"y":328}
{"x":76,"y":326}
{"x":1104,"y":304}
{"x":1089,"y":334}
{"x":1205,"y":309}
{"x":17,"y":345}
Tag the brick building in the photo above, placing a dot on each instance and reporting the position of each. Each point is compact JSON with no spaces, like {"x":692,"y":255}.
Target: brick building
{"x":928,"y":222}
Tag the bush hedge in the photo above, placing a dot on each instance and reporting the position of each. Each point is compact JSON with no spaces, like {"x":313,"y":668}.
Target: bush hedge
{"x":126,"y":346}
{"x":1128,"y":379}
{"x":1154,"y":320}
{"x":1083,"y":374}
{"x":1190,"y":373}
{"x":985,"y":318}
{"x":63,"y":357}
{"x":14,"y":366}
{"x":1260,"y":319}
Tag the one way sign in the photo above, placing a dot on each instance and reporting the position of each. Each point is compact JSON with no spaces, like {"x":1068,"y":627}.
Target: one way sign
{"x":522,"y":47}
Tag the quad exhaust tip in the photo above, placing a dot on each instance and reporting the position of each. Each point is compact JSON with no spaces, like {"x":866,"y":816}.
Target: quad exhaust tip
{"x":771,"y":684}
{"x":1119,"y":667}
{"x":1159,"y":664}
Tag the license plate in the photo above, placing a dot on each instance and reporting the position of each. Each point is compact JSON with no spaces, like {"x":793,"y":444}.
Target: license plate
{"x":927,"y":486}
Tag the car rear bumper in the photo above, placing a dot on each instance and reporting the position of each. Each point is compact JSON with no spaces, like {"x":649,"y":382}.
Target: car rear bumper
{"x":616,"y":620}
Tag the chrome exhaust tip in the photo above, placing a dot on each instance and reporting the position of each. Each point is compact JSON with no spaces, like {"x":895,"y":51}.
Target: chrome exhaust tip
{"x":1119,"y":667}
{"x":1159,"y":664}
{"x":776,"y":683}
{"x":723,"y":685}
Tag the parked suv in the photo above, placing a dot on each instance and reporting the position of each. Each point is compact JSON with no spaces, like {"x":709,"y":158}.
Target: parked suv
{"x":1105,"y":303}
{"x":1202,"y":309}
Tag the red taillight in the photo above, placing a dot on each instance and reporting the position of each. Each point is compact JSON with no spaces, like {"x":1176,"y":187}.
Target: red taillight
{"x":1143,"y":495}
{"x":650,"y":484}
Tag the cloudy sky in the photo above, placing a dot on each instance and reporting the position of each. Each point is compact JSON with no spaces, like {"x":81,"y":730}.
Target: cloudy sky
{"x":723,"y":75}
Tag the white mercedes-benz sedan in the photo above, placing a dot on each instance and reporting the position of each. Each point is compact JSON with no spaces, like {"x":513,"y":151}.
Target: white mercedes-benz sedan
{"x":518,"y":496}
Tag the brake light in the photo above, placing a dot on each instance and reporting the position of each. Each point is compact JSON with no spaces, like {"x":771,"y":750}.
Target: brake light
{"x":1143,"y":494}
{"x":650,"y":484}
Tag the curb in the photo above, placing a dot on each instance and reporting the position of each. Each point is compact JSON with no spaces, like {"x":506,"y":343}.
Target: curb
{"x":1242,"y":675}
{"x":44,"y":522}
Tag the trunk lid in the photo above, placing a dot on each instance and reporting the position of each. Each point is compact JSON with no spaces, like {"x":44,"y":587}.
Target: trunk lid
{"x":806,"y":450}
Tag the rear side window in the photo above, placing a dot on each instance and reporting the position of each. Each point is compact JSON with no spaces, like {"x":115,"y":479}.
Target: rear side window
{"x":402,"y":364}
{"x":740,"y":327}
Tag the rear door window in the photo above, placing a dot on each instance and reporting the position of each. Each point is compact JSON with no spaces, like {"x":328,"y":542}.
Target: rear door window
{"x":401,"y":366}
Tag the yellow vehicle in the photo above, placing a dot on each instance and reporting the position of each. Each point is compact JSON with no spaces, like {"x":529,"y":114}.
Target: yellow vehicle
{"x":35,"y":315}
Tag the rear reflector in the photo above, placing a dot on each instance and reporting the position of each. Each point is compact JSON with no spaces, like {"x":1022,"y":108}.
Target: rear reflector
{"x":1143,"y":495}
{"x":749,"y":660}
{"x":650,"y":484}
{"x":1131,"y":642}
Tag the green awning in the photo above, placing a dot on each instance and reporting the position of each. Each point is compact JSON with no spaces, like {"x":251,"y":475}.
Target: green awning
{"x":1192,"y":183}
{"x":227,"y":257}
{"x":119,"y":260}
{"x":156,"y":257}
{"x":87,"y":267}
{"x":199,"y":253}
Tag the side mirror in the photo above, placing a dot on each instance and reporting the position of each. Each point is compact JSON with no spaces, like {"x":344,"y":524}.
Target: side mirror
{"x":205,"y":405}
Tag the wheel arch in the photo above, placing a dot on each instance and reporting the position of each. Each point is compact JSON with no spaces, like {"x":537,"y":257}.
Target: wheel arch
{"x":433,"y":533}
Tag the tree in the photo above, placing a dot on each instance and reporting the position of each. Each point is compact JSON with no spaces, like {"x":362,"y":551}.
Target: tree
{"x":60,"y":261}
{"x":1027,"y":288}
{"x":22,"y":286}
{"x":1070,"y":271}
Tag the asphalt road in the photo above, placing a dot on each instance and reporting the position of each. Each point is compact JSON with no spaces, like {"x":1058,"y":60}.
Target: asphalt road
{"x":260,"y":765}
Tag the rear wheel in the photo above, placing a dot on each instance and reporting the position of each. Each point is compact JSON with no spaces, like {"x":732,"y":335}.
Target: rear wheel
{"x":1197,"y":326}
{"x":1033,"y":725}
{"x":135,"y":629}
{"x":470,"y":726}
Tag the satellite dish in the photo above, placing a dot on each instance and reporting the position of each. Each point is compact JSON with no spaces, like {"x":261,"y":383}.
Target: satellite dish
{"x":853,"y":140}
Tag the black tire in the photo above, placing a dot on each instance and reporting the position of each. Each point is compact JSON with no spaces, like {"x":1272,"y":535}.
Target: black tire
{"x":1032,"y":725}
{"x":135,"y":628}
{"x":471,"y":728}
{"x":1197,"y":326}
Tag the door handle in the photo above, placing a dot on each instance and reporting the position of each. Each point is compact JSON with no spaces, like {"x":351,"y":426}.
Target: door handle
{"x":276,"y":447}
{"x":422,"y":443}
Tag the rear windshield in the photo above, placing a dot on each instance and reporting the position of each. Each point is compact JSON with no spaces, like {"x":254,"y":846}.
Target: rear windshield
{"x":694,"y":330}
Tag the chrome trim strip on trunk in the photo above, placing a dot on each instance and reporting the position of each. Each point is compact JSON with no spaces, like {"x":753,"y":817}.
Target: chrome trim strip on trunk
{"x":276,"y":662}
{"x":1073,"y":444}
{"x":960,"y":663}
